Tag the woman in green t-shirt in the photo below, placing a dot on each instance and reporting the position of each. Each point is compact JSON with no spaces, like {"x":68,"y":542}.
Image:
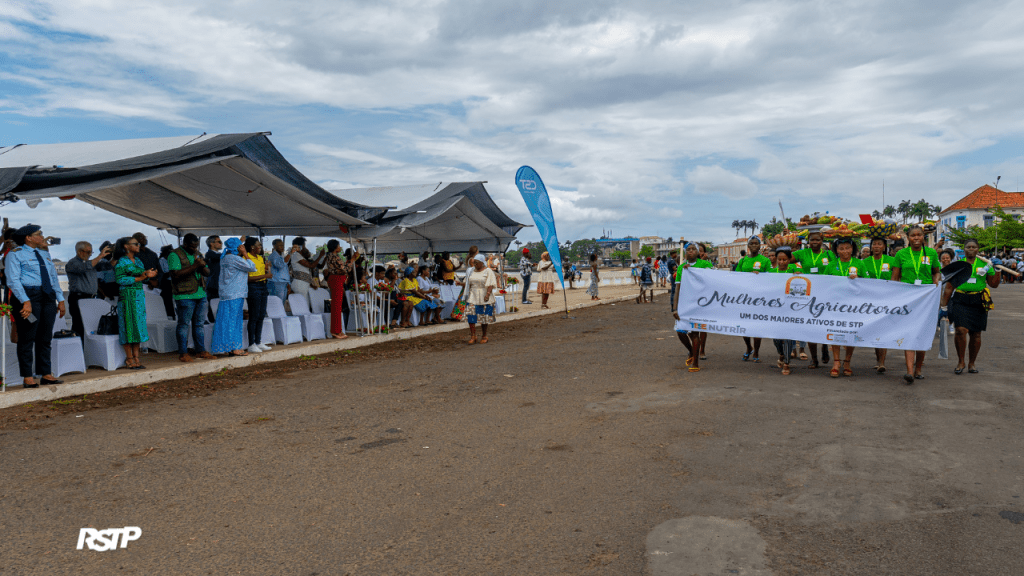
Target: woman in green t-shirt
{"x":966,"y":306}
{"x":783,"y":256}
{"x":756,"y":263}
{"x":690,"y":338}
{"x":848,"y":266}
{"x":879,"y":266}
{"x":916,"y":264}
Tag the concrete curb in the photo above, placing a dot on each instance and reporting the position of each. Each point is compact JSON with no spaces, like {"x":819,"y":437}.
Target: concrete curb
{"x":125,"y":379}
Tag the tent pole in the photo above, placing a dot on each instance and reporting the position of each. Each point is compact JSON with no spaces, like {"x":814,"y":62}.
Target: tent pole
{"x":373,"y":287}
{"x":355,"y":285}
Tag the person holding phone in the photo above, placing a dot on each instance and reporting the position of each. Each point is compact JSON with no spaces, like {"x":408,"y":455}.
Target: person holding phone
{"x":37,"y":299}
{"x":82,"y":281}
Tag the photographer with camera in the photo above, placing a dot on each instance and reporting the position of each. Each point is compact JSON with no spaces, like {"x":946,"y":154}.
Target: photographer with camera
{"x":82,"y":281}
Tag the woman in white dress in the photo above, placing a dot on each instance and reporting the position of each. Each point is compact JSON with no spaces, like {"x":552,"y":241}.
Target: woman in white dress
{"x":546,"y":283}
{"x":481,"y":285}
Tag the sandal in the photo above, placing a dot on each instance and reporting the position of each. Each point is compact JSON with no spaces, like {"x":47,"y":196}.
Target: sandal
{"x":757,"y":360}
{"x":785,"y":370}
{"x":472,"y":340}
{"x":881,"y":369}
{"x":812,"y":366}
{"x":959,"y":370}
{"x":908,"y":378}
{"x":834,"y":372}
{"x":689,"y":361}
{"x":694,"y":368}
{"x":747,"y":355}
{"x":780,"y":363}
{"x":803,"y":355}
{"x":244,"y":353}
{"x":848,"y":371}
{"x":483,"y":340}
{"x":972,"y":370}
{"x":703,"y":357}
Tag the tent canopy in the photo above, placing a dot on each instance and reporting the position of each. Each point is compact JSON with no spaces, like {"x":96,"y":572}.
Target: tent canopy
{"x":210,"y":184}
{"x":437,"y":217}
{"x":452,"y":225}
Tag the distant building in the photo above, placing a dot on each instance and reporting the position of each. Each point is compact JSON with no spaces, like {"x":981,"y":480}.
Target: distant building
{"x":729,"y":254}
{"x":610,"y":245}
{"x":975,"y":209}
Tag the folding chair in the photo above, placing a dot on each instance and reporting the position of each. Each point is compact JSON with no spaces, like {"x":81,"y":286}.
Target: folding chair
{"x":287,"y":329}
{"x":66,"y":354}
{"x":312,"y":324}
{"x":103,"y":351}
{"x":317,"y":298}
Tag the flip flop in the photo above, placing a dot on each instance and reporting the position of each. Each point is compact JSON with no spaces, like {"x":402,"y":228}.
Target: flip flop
{"x":747,"y":355}
{"x":881,"y":369}
{"x":689,"y":361}
{"x":908,"y":378}
{"x":972,"y":370}
{"x":694,"y":368}
{"x":803,"y":355}
{"x":757,"y":360}
{"x":244,"y":353}
{"x":785,"y":370}
{"x":959,"y":370}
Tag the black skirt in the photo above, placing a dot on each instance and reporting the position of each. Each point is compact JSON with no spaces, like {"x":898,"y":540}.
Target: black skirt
{"x":967,"y":311}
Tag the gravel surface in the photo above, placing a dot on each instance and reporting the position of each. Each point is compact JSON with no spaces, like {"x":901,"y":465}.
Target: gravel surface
{"x":556,"y":448}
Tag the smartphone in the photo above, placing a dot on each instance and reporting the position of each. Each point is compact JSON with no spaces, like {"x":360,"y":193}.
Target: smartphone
{"x":31,"y":317}
{"x":54,"y":241}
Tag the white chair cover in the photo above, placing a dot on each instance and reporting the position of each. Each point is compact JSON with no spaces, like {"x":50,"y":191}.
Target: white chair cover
{"x":312,"y":324}
{"x":66,"y":354}
{"x":268,"y":322}
{"x":286,"y":329}
{"x":316,"y":302}
{"x":162,"y":337}
{"x":103,"y":351}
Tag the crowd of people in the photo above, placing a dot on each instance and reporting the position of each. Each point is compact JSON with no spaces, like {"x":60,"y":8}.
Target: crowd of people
{"x":965,"y":305}
{"x":234,"y":275}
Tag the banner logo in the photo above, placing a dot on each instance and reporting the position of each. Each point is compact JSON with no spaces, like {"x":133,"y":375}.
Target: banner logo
{"x":798,"y":286}
{"x":103,"y":540}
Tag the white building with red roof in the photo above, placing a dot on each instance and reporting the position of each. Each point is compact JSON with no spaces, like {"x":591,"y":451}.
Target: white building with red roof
{"x":975,"y":209}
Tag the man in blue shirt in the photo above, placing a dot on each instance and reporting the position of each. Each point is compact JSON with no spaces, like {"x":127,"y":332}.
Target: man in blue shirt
{"x":278,"y":285}
{"x":37,"y":299}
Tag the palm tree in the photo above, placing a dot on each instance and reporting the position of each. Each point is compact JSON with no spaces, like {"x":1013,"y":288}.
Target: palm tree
{"x":904,"y":208}
{"x":876,"y":214}
{"x":736,"y":225}
{"x":744,"y":224}
{"x":888,"y":211}
{"x":936,"y":209}
{"x":753,"y":226}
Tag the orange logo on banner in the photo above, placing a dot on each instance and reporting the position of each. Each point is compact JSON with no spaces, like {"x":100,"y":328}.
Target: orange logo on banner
{"x":798,"y":286}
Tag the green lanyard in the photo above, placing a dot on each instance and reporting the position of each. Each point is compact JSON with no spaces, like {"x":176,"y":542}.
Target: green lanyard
{"x":814,"y":263}
{"x":919,"y":261}
{"x":875,"y":265}
{"x":847,"y":271}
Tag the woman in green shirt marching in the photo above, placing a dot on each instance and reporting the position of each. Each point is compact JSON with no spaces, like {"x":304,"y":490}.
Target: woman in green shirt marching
{"x":879,"y":266}
{"x":850,"y":267}
{"x":691,"y":339}
{"x":783,"y":254}
{"x":966,"y":307}
{"x":756,"y":263}
{"x":916,"y":264}
{"x":815,"y":259}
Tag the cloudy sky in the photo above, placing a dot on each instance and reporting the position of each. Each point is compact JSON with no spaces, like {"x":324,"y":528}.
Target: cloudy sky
{"x":644,"y":117}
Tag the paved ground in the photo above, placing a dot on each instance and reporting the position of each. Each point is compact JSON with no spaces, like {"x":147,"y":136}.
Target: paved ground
{"x":560,"y":447}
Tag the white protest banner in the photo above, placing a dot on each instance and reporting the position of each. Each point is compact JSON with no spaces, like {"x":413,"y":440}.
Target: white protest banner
{"x":823,"y":309}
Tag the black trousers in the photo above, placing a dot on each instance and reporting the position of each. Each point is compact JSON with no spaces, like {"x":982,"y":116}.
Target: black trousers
{"x":257,"y":311}
{"x":76,"y":314}
{"x":526,"y":286}
{"x":35,"y":337}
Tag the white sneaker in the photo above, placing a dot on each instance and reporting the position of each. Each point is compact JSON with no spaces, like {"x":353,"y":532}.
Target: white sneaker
{"x":255,"y":349}
{"x":264,"y":347}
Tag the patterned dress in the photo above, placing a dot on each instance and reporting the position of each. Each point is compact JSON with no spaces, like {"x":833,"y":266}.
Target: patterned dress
{"x":592,"y":289}
{"x":131,"y":307}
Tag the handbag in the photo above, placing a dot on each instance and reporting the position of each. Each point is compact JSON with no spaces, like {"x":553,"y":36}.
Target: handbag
{"x":64,"y":334}
{"x":459,"y":310}
{"x":108,"y":325}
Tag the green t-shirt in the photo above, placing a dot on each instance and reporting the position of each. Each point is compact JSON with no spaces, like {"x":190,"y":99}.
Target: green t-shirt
{"x":811,"y":263}
{"x":174,"y":263}
{"x":917,"y":265}
{"x":976,"y":283}
{"x":698,"y":264}
{"x":839,"y":268}
{"x":879,"y":269}
{"x":790,"y":269}
{"x":758,"y":263}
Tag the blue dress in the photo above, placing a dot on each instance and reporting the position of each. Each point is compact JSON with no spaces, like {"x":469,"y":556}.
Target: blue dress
{"x":229,"y":331}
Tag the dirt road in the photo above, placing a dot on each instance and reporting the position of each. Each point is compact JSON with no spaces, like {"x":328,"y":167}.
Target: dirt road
{"x":560,"y":447}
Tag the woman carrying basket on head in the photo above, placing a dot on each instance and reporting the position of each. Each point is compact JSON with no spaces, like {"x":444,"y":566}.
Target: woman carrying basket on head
{"x":879,"y":266}
{"x":848,"y":266}
{"x":756,"y":263}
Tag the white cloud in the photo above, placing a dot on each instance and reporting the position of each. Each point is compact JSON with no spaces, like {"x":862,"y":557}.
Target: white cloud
{"x":719,"y":181}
